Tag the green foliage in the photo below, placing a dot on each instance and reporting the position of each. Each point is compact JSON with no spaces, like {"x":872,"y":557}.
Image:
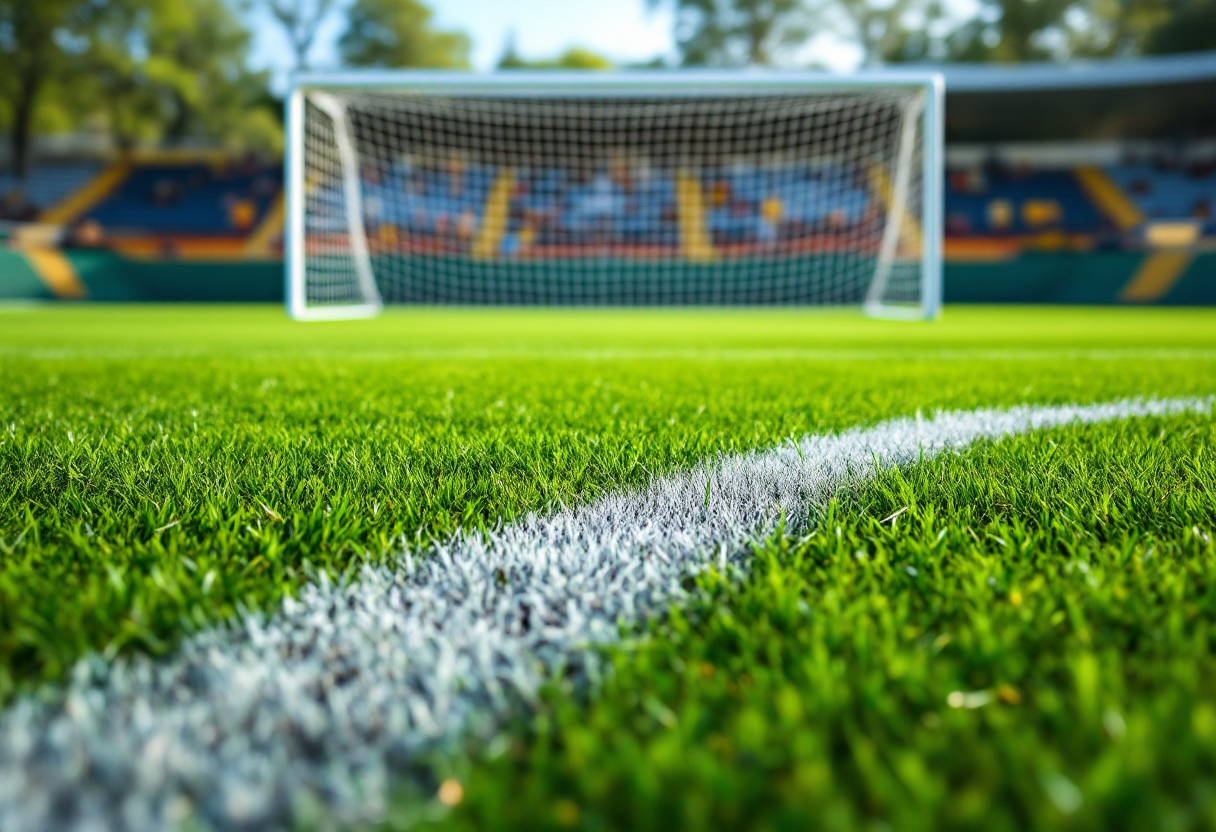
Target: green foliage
{"x":1026,"y":30}
{"x":1013,"y":31}
{"x":198,"y":53}
{"x":1116,"y":27}
{"x":400,"y":33}
{"x":887,"y":32}
{"x":31,"y":35}
{"x":300,"y":21}
{"x":162,"y":467}
{"x":1188,"y":26}
{"x":163,"y":69}
{"x":1026,"y":646}
{"x":149,"y":70}
{"x":739,"y":32}
{"x":576,"y":57}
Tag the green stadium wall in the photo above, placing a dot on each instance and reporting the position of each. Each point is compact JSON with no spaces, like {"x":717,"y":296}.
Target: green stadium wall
{"x":1032,"y":277}
{"x":18,"y":280}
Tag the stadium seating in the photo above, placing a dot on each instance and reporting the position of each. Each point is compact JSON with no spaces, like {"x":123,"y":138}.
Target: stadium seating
{"x":1171,"y":192}
{"x":1003,"y":201}
{"x":192,"y":199}
{"x":443,"y":208}
{"x":426,"y":201}
{"x":754,"y":204}
{"x":559,"y":211}
{"x":552,"y":208}
{"x":437,"y":207}
{"x":44,"y":186}
{"x":560,"y":207}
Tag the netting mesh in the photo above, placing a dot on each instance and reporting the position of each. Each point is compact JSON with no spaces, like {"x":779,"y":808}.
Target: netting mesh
{"x":414,"y":197}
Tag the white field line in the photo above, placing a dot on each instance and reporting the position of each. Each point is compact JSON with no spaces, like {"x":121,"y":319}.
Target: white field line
{"x":317,"y":707}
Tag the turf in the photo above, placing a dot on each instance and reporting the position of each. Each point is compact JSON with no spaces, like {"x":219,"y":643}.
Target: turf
{"x":1027,"y":645}
{"x":162,"y":468}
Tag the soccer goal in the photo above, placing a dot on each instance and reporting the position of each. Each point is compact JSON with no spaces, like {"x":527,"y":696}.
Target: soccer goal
{"x":667,"y":188}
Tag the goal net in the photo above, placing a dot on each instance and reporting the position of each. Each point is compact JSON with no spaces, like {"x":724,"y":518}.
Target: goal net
{"x":613,"y":190}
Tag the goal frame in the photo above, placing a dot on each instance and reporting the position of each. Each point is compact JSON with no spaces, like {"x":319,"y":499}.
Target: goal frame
{"x":674,"y":83}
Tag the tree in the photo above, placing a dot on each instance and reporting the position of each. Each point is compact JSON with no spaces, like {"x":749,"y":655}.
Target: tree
{"x":1012,"y":31}
{"x":739,"y":32}
{"x":576,"y":57}
{"x":511,"y":59}
{"x":198,"y":56}
{"x":1114,"y":27}
{"x":1142,"y":27}
{"x":166,"y":70}
{"x":400,"y":33}
{"x":890,"y":30}
{"x":300,"y":19}
{"x":149,"y":69}
{"x":1189,"y":26}
{"x":30,"y":34}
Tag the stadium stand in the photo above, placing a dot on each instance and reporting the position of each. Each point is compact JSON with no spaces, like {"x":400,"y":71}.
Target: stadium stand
{"x":191,"y":199}
{"x":433,"y":207}
{"x":1104,"y":110}
{"x":998,"y":199}
{"x":636,"y":210}
{"x":560,"y":209}
{"x":26,"y":198}
{"x":625,"y":209}
{"x":550,"y":210}
{"x":782,"y":203}
{"x":1168,"y":191}
{"x":1115,"y":158}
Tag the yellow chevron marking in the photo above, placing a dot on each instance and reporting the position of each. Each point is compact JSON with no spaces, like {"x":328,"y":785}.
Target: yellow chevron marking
{"x":909,"y":228}
{"x":92,"y":192}
{"x":495,"y":215}
{"x":56,"y":272}
{"x":694,"y":229}
{"x":1109,"y":197}
{"x":1156,"y":276}
{"x":258,"y":244}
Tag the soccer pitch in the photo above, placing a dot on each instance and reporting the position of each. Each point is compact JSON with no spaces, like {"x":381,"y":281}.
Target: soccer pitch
{"x":1014,"y":633}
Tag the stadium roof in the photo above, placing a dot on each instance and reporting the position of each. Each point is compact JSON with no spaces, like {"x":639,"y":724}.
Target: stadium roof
{"x":1160,"y":97}
{"x":1163,"y":97}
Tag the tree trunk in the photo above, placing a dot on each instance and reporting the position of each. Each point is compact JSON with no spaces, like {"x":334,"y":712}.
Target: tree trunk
{"x":23,"y":117}
{"x":301,"y":45}
{"x":756,"y":32}
{"x":180,"y":125}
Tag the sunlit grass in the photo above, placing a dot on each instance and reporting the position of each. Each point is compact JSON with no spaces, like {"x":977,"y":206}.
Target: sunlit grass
{"x":161,"y":468}
{"x":1027,"y":644}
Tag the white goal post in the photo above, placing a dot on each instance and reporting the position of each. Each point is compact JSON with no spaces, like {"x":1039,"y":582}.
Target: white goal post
{"x":631,"y":188}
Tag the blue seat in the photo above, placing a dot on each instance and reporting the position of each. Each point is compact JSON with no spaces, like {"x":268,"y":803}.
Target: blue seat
{"x":1172,"y":194}
{"x":44,"y":186}
{"x":200,"y":204}
{"x":1078,"y":214}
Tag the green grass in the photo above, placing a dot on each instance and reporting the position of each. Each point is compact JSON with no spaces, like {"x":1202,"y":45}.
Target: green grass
{"x":1059,"y":589}
{"x":161,"y":468}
